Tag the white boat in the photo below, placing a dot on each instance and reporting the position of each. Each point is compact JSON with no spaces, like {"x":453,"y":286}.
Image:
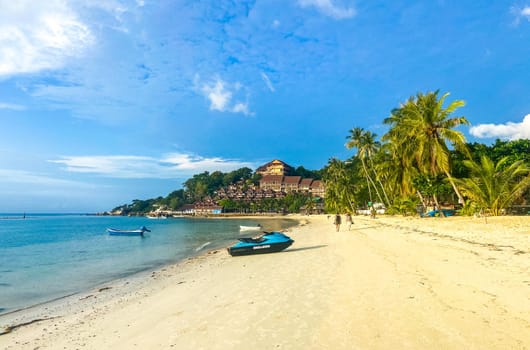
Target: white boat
{"x":138,"y":232}
{"x":249,"y":228}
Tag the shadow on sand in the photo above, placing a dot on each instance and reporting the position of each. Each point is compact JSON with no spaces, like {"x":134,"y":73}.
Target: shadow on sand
{"x":305,"y":248}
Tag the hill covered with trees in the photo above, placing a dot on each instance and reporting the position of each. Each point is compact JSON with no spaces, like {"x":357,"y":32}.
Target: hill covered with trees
{"x":203,"y":187}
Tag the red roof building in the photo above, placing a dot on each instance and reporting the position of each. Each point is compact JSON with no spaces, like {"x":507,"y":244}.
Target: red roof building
{"x":276,"y":167}
{"x":271,"y":182}
{"x":291,"y":183}
{"x":305,"y":185}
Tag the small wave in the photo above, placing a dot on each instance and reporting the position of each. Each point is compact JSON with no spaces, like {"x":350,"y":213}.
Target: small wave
{"x":4,"y":284}
{"x":203,"y":246}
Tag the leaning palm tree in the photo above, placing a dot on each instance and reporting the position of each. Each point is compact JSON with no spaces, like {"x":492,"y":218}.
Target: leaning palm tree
{"x":367,"y":147}
{"x":401,"y":150}
{"x":421,"y":128}
{"x":495,"y":186}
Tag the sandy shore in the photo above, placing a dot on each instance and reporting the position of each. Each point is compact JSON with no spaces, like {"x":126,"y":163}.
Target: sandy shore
{"x":389,"y":283}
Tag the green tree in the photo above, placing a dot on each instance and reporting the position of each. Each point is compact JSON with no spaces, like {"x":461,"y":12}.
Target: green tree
{"x":215,"y":181}
{"x":228,"y":205}
{"x":420,"y":130}
{"x":233,"y":177}
{"x":176,"y":199}
{"x":367,"y":146}
{"x":340,"y":186}
{"x":396,"y":172}
{"x":429,"y":186}
{"x":495,"y":186}
{"x":303,"y":172}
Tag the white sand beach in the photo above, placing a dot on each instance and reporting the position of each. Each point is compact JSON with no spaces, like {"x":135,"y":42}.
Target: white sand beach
{"x":389,"y":283}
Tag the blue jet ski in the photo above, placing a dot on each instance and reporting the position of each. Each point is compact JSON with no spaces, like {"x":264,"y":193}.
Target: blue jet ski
{"x":269,"y":242}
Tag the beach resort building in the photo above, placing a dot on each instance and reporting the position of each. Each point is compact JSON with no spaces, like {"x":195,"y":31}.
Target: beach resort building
{"x":291,"y":183}
{"x":317,"y":188}
{"x":288,"y":184}
{"x":207,"y":208}
{"x":276,"y":167}
{"x":276,"y":177}
{"x":271,"y":182}
{"x":274,"y":184}
{"x":305,"y":185}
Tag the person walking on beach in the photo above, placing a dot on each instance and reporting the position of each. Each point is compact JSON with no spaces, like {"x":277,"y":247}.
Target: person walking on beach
{"x":349,"y":221}
{"x":337,"y":222}
{"x":372,"y":210}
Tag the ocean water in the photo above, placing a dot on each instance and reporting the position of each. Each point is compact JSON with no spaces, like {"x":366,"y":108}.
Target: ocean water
{"x":44,"y":257}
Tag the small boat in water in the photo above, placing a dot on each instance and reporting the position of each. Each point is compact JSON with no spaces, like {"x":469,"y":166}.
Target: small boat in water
{"x":269,"y":242}
{"x":138,"y":232}
{"x":249,"y":228}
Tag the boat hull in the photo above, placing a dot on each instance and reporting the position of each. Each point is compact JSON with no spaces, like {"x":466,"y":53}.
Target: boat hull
{"x":249,"y":228}
{"x":269,"y":243}
{"x":117,"y":232}
{"x":128,"y":233}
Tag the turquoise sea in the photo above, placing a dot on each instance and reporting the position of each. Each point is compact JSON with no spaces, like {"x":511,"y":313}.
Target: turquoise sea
{"x":48,"y":256}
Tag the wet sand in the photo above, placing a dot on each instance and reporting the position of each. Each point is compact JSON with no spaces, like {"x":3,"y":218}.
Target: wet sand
{"x":389,"y":283}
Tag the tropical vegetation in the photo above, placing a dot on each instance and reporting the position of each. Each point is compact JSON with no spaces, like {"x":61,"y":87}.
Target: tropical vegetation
{"x":494,"y":186}
{"x":423,"y":160}
{"x":203,"y":187}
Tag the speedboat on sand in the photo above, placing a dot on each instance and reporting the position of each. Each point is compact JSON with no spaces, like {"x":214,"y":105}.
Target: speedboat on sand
{"x":269,"y":242}
{"x":138,"y":232}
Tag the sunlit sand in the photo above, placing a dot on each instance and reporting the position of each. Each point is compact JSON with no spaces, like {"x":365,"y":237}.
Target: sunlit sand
{"x":389,"y":283}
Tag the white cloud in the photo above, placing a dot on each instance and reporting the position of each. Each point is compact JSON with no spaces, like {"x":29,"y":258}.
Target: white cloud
{"x":111,"y":166}
{"x":218,"y":95}
{"x":510,"y":131}
{"x":12,"y":176}
{"x":267,"y":81}
{"x":328,"y":8}
{"x":192,"y":164}
{"x":520,"y":13}
{"x":38,"y":35}
{"x":241,"y":108}
{"x":221,"y":96}
{"x":170,"y":166}
{"x":11,"y":106}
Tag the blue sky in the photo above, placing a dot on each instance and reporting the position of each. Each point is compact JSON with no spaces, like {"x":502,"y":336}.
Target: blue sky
{"x":106,"y":101}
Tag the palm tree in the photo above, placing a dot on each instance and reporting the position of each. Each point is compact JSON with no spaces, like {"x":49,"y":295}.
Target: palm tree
{"x":495,"y":186}
{"x":339,"y":187}
{"x":421,"y":128}
{"x":397,"y":173}
{"x":309,"y":205}
{"x":367,"y":147}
